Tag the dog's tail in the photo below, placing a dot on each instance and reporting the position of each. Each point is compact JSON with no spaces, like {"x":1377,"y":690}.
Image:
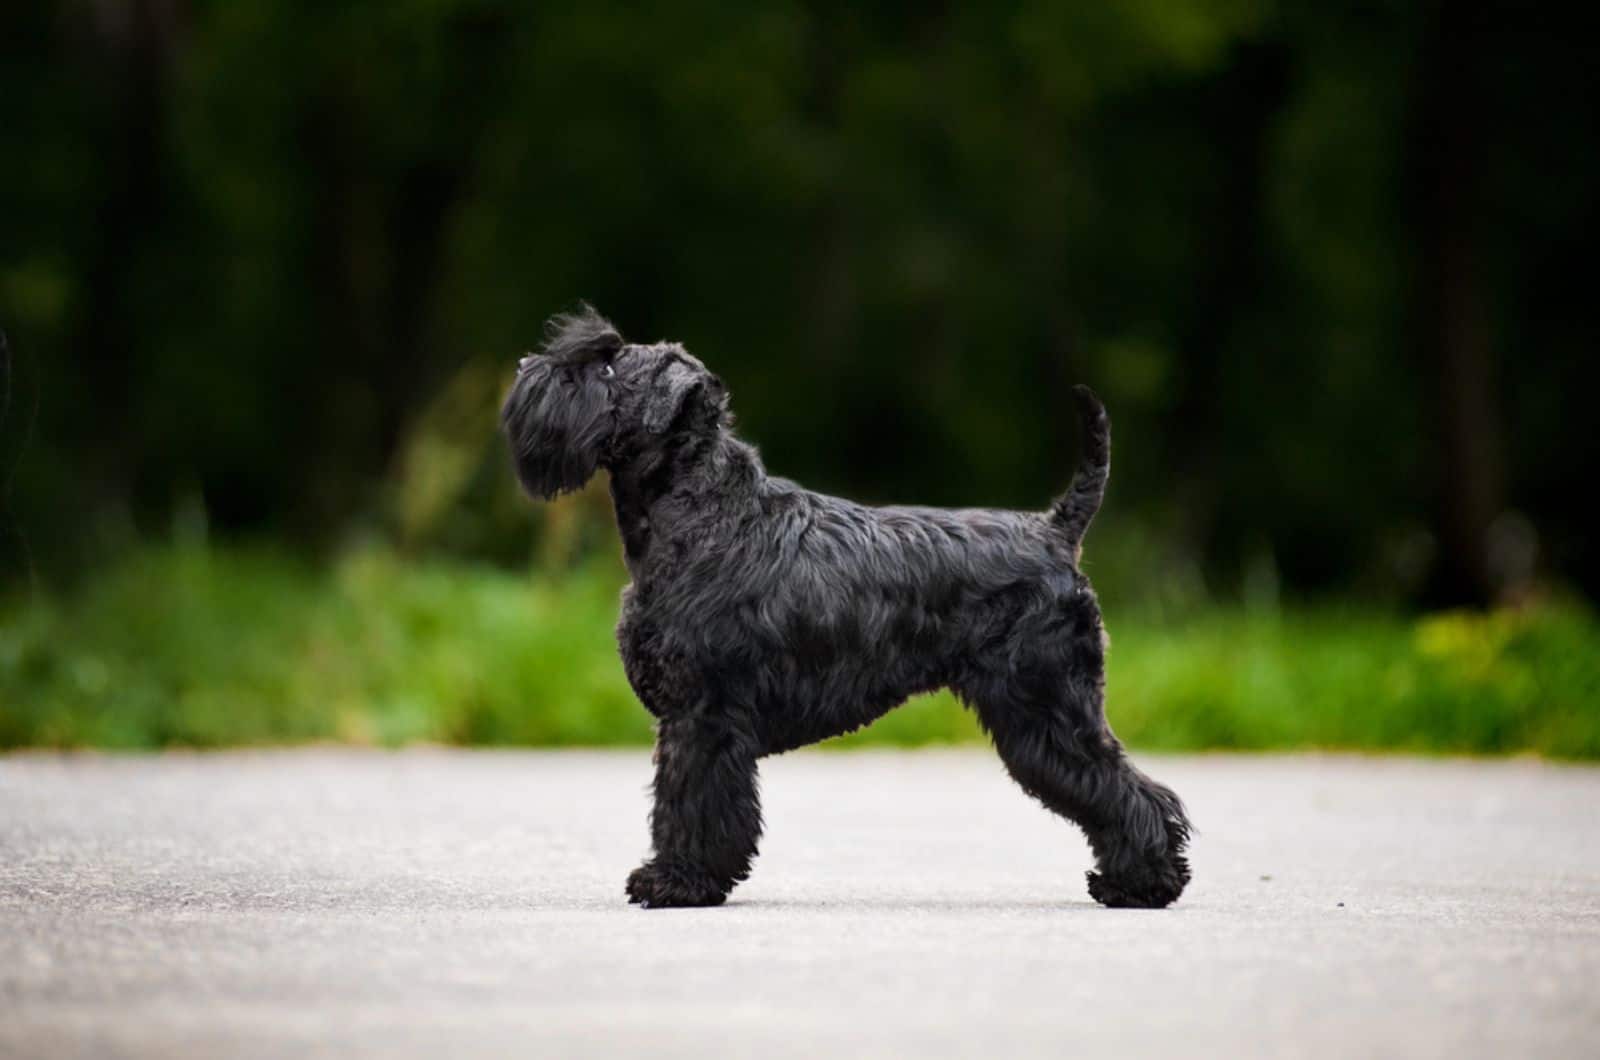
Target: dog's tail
{"x":1074,"y":510}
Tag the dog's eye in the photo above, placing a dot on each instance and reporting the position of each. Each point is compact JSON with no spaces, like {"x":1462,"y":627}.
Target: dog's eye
{"x":606,"y":371}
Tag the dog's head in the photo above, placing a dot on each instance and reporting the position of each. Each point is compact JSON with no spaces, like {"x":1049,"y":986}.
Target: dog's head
{"x":589,"y":400}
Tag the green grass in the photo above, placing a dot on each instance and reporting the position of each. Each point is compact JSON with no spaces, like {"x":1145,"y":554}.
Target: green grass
{"x":214,"y":647}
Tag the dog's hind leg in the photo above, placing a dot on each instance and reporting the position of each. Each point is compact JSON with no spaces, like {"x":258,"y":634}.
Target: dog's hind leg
{"x":1065,"y":756}
{"x":707,"y":815}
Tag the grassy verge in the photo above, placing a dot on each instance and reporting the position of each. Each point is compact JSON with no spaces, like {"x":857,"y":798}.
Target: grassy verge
{"x":194,"y":647}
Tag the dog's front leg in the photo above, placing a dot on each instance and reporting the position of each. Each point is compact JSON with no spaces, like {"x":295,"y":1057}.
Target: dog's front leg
{"x":707,"y":815}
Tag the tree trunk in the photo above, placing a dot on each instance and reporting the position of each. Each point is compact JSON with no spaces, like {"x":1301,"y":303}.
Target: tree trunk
{"x":1453,"y":331}
{"x":132,"y":47}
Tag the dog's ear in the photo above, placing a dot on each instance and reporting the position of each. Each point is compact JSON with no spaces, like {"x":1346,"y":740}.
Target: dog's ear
{"x":686,"y":388}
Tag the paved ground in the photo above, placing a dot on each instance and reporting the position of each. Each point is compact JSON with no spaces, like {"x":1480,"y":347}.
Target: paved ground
{"x":439,"y":903}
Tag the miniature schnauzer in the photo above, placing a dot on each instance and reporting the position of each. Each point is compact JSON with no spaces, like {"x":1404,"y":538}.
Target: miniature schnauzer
{"x":763,"y":617}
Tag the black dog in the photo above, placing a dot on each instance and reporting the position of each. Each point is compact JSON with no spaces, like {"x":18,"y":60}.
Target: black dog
{"x":763,"y":617}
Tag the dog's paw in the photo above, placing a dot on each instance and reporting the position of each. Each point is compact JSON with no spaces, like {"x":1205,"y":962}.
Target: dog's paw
{"x":655,"y":885}
{"x":1152,"y":887}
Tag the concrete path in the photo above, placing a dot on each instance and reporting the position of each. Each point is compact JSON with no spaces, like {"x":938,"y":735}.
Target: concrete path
{"x":435,"y":903}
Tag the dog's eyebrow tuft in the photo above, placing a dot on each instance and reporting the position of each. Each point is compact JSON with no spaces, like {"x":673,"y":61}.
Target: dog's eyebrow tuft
{"x":581,"y":336}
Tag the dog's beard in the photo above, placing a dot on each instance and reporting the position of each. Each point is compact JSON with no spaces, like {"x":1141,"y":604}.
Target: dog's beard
{"x":558,"y":424}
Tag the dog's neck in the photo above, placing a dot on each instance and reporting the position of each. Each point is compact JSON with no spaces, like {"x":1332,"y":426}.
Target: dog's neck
{"x":668,"y":489}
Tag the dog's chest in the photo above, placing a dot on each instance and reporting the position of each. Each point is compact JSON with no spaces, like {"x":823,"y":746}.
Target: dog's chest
{"x":635,"y":540}
{"x":633,"y":523}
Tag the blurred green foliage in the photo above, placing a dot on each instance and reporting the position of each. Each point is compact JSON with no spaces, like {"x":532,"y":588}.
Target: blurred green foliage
{"x":192,"y":646}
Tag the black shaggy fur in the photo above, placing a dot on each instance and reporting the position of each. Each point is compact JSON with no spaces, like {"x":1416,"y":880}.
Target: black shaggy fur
{"x":763,"y":617}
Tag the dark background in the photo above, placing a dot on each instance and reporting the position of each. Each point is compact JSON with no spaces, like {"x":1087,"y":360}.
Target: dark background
{"x":265,"y":266}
